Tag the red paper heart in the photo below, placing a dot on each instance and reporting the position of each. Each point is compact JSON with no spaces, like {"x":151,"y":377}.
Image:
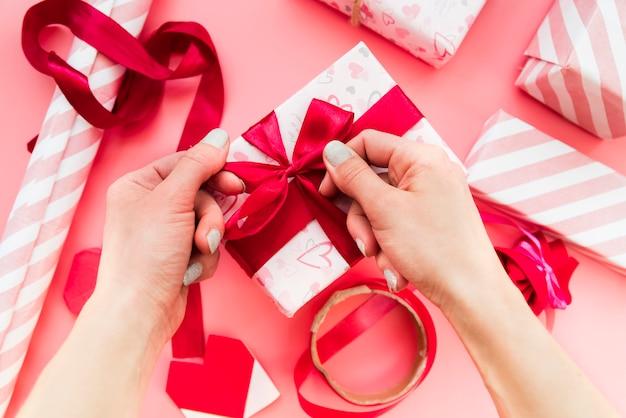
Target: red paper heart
{"x":81,"y":279}
{"x":221,"y":384}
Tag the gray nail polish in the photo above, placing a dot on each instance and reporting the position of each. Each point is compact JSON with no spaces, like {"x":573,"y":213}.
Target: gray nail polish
{"x":336,"y":153}
{"x":217,"y":138}
{"x":392,"y":280}
{"x":361,"y":246}
{"x":213,"y":239}
{"x":192,"y":273}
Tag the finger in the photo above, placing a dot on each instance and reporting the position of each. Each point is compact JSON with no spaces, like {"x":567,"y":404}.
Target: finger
{"x":361,"y":229}
{"x":327,"y":187}
{"x":200,"y":267}
{"x":352,"y":175}
{"x":196,"y":166}
{"x":404,"y":158}
{"x":210,"y":228}
{"x":227,"y":183}
{"x":395,"y":280}
{"x":375,"y":146}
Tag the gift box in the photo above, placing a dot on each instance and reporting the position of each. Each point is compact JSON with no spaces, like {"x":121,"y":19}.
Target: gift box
{"x":282,"y":232}
{"x":542,"y":181}
{"x":429,"y":29}
{"x":576,"y":64}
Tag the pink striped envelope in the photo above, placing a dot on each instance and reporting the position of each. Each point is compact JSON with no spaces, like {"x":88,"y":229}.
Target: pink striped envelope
{"x":542,"y":181}
{"x":577,"y":64}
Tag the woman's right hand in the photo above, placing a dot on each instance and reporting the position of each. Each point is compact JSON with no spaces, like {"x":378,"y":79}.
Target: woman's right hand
{"x":420,"y":223}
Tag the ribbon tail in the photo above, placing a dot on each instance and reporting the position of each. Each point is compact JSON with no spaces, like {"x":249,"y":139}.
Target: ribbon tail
{"x":332,"y":220}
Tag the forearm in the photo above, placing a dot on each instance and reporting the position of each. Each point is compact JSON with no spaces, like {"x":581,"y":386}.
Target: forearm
{"x":525,"y":370}
{"x":103,"y":367}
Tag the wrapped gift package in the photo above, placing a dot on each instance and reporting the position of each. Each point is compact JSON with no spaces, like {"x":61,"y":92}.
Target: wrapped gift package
{"x":429,"y":29}
{"x":545,"y":182}
{"x":292,"y":267}
{"x":576,"y":64}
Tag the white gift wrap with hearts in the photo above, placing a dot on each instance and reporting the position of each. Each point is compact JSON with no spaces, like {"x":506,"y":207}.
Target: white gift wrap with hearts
{"x":429,"y":29}
{"x":309,"y":262}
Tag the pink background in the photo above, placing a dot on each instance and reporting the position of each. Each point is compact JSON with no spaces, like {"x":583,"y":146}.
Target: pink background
{"x":268,"y":50}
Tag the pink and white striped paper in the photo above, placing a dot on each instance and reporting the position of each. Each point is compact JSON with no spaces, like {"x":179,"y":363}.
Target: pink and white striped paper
{"x":540,"y":180}
{"x":53,"y":184}
{"x":576,"y":64}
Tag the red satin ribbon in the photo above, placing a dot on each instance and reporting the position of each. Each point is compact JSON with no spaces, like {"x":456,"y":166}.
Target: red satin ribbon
{"x":540,"y":269}
{"x":350,"y":328}
{"x":139,"y":94}
{"x":147,"y":65}
{"x":284,"y":197}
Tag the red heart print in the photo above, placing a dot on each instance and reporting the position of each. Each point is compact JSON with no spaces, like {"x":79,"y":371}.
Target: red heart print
{"x":317,"y":256}
{"x":227,"y":203}
{"x":443,"y":46}
{"x":357,"y":72}
{"x":411,"y":11}
{"x":240,"y":156}
{"x":402,"y":33}
{"x":334,"y":100}
{"x":388,"y":19}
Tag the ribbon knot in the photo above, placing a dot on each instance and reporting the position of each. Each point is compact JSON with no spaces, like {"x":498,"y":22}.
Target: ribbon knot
{"x":541,"y":270}
{"x":283,"y":194}
{"x":268,"y":184}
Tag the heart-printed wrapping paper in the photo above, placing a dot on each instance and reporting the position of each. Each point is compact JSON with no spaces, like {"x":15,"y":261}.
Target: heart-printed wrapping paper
{"x":431,"y":30}
{"x":309,"y":262}
{"x":576,"y":64}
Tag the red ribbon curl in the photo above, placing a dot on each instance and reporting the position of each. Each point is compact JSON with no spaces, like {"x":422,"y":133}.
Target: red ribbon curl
{"x":147,"y":65}
{"x":531,"y":270}
{"x":284,"y":196}
{"x":540,"y":269}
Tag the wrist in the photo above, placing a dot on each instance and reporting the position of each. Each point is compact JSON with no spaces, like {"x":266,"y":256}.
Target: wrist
{"x":126,"y":317}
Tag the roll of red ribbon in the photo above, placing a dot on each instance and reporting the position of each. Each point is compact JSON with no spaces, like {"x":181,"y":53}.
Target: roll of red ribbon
{"x":380,"y":303}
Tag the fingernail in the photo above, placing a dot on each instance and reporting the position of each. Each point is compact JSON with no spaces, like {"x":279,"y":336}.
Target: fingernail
{"x":192,"y":273}
{"x":392,"y":280}
{"x":213,"y":238}
{"x":361,"y":246}
{"x":336,"y":153}
{"x":217,"y":138}
{"x":243,"y":186}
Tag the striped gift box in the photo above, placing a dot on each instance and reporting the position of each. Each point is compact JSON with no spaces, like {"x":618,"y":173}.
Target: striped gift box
{"x":577,"y":64}
{"x":542,"y":181}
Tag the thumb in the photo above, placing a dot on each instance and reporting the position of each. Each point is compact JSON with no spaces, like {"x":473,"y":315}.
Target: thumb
{"x":197,"y":165}
{"x":352,"y":175}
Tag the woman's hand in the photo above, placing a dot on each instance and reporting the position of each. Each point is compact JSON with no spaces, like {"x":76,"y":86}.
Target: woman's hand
{"x":421,"y":222}
{"x":163,"y":230}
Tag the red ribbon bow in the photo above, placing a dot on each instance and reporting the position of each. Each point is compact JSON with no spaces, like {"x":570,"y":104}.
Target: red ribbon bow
{"x":284,"y":196}
{"x":541,"y":270}
{"x":143,"y":85}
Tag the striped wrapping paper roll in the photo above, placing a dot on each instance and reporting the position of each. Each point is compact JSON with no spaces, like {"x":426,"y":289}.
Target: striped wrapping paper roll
{"x":577,"y":64}
{"x":540,"y":180}
{"x":53,"y":184}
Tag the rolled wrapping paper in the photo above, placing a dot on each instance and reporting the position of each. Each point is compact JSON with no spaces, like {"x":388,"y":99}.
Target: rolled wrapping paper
{"x":576,"y":64}
{"x":44,"y":207}
{"x":347,"y":330}
{"x":542,"y":181}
